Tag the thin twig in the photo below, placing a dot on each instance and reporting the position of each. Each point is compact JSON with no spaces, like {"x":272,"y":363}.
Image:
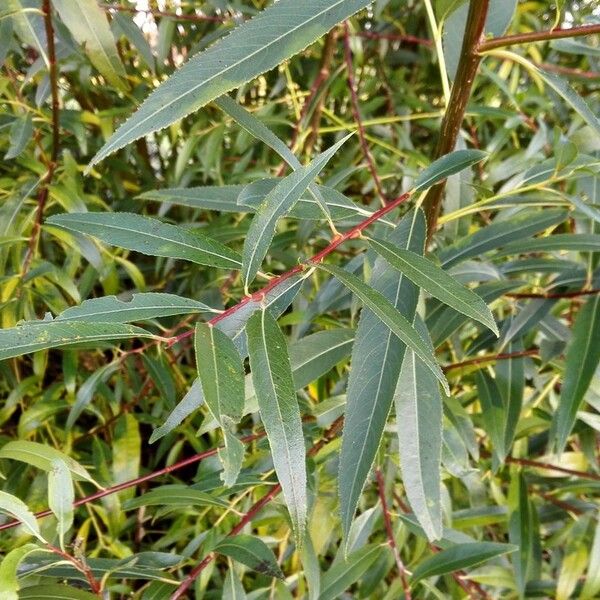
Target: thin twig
{"x":390,"y":534}
{"x":550,"y":467}
{"x":490,"y":358}
{"x":81,"y":566}
{"x":575,"y":294}
{"x":394,"y":37}
{"x":356,"y":114}
{"x":51,"y":166}
{"x":537,"y":36}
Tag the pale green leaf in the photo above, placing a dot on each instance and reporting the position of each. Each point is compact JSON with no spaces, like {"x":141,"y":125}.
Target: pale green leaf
{"x":279,"y":411}
{"x":88,"y":24}
{"x":419,"y":424}
{"x":252,"y":552}
{"x":149,"y":236}
{"x":260,"y":44}
{"x":20,"y":133}
{"x":42,"y":457}
{"x":61,"y":496}
{"x":56,"y":591}
{"x":17,"y":509}
{"x":232,"y":588}
{"x":9,"y":581}
{"x":436,"y":282}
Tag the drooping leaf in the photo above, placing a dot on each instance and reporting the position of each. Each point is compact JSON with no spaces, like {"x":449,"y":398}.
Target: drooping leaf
{"x":492,"y":412}
{"x":29,"y":26}
{"x":376,"y":360}
{"x":232,"y":588}
{"x":278,"y":32}
{"x":583,"y":356}
{"x":386,"y":311}
{"x":436,"y":282}
{"x":419,"y":423}
{"x":461,"y":556}
{"x":576,"y":242}
{"x":447,"y":165}
{"x":149,"y":236}
{"x":88,"y":25}
{"x":61,"y":496}
{"x":343,"y":574}
{"x":221,"y":373}
{"x":42,"y":456}
{"x":279,"y":411}
{"x":252,"y":552}
{"x":17,"y":509}
{"x":39,"y":335}
{"x":140,"y":307}
{"x":276,"y":204}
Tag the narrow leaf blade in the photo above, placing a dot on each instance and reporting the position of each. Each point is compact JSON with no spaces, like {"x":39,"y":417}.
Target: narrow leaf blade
{"x":252,"y":552}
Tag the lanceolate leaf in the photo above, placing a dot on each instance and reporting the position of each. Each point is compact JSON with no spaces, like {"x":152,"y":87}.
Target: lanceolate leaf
{"x":56,"y":591}
{"x":9,"y":568}
{"x":149,"y":236}
{"x":419,"y":423}
{"x":16,"y":508}
{"x":276,"y":204}
{"x":583,"y":356}
{"x":174,"y":496}
{"x":376,"y":359}
{"x":140,"y":307}
{"x":447,"y":165}
{"x":61,"y":496}
{"x":344,"y":573}
{"x":521,"y":530}
{"x":252,"y":552}
{"x":499,"y":234}
{"x":278,"y":32}
{"x":221,"y":373}
{"x":279,"y":411}
{"x":493,"y":412}
{"x":386,"y":311}
{"x":577,"y":242}
{"x":437,"y":282}
{"x":461,"y":556}
{"x":40,"y":335}
{"x":88,"y":25}
{"x":42,"y":456}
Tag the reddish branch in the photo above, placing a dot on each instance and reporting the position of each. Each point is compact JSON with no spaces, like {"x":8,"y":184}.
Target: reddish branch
{"x":315,"y":260}
{"x":491,"y":358}
{"x":570,"y":72}
{"x":538,"y":36}
{"x":51,"y":165}
{"x":550,"y":467}
{"x":457,"y":105}
{"x":81,"y":566}
{"x":390,"y":534}
{"x":356,"y":113}
{"x":557,"y":295}
{"x":406,"y":39}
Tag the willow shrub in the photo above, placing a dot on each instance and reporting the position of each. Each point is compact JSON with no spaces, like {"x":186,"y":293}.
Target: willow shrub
{"x":300,"y":299}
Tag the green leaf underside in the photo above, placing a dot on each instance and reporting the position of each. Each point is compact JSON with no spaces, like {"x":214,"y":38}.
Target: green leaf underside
{"x":275,"y":205}
{"x":61,"y":496}
{"x":149,"y":236}
{"x":461,"y":556}
{"x":279,"y":411}
{"x":252,"y":552}
{"x":42,"y":335}
{"x":386,"y":311}
{"x":419,"y":410}
{"x":17,"y":509}
{"x":423,"y":273}
{"x":278,"y":32}
{"x":221,"y":373}
{"x":583,"y":357}
{"x":448,"y":165}
{"x":376,"y":359}
{"x":143,"y":306}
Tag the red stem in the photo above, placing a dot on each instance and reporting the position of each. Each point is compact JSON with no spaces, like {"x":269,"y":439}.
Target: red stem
{"x":356,"y":113}
{"x":390,"y":534}
{"x":574,"y":294}
{"x":491,"y":358}
{"x":80,"y":565}
{"x":407,"y":39}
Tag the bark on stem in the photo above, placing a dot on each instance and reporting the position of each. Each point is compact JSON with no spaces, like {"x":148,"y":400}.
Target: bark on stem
{"x":459,"y":98}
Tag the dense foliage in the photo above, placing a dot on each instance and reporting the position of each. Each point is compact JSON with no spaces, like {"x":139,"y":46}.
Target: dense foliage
{"x":299,"y":299}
